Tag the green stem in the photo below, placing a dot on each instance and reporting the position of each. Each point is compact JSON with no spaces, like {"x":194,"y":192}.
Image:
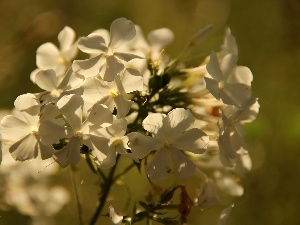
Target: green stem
{"x":79,"y":209}
{"x":105,"y":192}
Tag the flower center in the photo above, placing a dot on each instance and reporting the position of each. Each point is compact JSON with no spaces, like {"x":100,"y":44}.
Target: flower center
{"x":221,"y":85}
{"x":168,"y":144}
{"x":78,"y":134}
{"x":114,"y":92}
{"x":55,"y":93}
{"x":117,"y":142}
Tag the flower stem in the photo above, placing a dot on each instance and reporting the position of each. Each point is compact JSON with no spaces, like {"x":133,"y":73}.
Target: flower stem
{"x":106,"y":186}
{"x":79,"y":209}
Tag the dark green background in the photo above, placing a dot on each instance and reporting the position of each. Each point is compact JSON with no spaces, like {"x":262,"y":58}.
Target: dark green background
{"x":268,"y":36}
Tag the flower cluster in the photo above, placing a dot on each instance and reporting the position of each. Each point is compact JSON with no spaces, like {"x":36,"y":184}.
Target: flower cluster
{"x":128,"y":98}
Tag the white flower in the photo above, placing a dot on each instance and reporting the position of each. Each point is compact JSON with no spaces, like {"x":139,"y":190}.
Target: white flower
{"x":225,"y":215}
{"x":231,"y":84}
{"x":117,"y":144}
{"x":20,"y":132}
{"x":207,"y":194}
{"x":50,"y":57}
{"x":106,"y":60}
{"x":115,"y":216}
{"x":170,"y":134}
{"x":112,"y":94}
{"x":55,"y":89}
{"x":231,"y":140}
{"x":70,"y":107}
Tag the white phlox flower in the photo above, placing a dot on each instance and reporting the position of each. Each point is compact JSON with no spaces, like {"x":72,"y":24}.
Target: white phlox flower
{"x":117,"y":143}
{"x":113,"y":94}
{"x":231,"y":140}
{"x":58,"y":59}
{"x":55,"y":89}
{"x":170,"y":135}
{"x":70,"y":107}
{"x":229,"y":83}
{"x":21,"y":132}
{"x":115,"y":216}
{"x":106,"y":60}
{"x":154,"y":49}
{"x":207,"y":194}
{"x":228,"y":183}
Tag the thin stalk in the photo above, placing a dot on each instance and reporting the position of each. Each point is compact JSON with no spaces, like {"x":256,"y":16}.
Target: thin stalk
{"x":79,"y":209}
{"x":105,"y":192}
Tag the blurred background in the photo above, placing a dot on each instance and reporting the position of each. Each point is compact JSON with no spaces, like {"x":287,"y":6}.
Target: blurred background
{"x":268,"y":35}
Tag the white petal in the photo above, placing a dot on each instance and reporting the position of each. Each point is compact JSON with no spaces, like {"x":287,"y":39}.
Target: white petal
{"x":121,"y":31}
{"x":131,"y":82}
{"x":13,"y":129}
{"x":235,"y":94}
{"x":71,"y":107}
{"x":153,"y":123}
{"x":142,"y":145}
{"x":94,"y":90}
{"x":127,"y":56}
{"x":212,"y":86}
{"x":213,"y":67}
{"x":66,"y":38}
{"x":227,"y":66}
{"x":158,"y":168}
{"x":110,"y":159}
{"x":46,"y":151}
{"x":25,"y":149}
{"x":46,"y":80}
{"x":112,"y":68}
{"x":99,"y":115}
{"x":71,"y":80}
{"x":89,"y":67}
{"x":123,"y":105}
{"x":183,"y":167}
{"x":70,"y":154}
{"x":193,"y":140}
{"x":177,"y":121}
{"x":27,"y":102}
{"x":160,"y":38}
{"x":47,"y":56}
{"x":242,"y":75}
{"x":115,"y":216}
{"x":225,"y":215}
{"x":92,"y":44}
{"x":50,"y":133}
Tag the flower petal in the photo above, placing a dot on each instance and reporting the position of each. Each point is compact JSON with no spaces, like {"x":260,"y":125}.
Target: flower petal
{"x":47,"y":56}
{"x":183,"y":167}
{"x":123,"y":105}
{"x":160,"y":38}
{"x":112,"y":68}
{"x":13,"y":129}
{"x":66,"y":38}
{"x":88,"y":67}
{"x":50,"y":133}
{"x":142,"y":145}
{"x":25,"y":149}
{"x":213,"y":67}
{"x":92,"y":44}
{"x":193,"y":140}
{"x":121,"y":31}
{"x":71,"y":107}
{"x":158,"y":168}
{"x":70,"y":154}
{"x":153,"y":123}
{"x":46,"y":80}
{"x":177,"y":121}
